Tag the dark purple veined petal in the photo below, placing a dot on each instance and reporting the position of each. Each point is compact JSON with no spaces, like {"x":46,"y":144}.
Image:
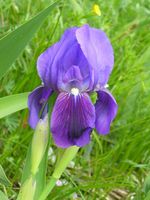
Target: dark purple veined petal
{"x":36,"y":104}
{"x":72,"y":120}
{"x":106,"y":110}
{"x":98,"y":51}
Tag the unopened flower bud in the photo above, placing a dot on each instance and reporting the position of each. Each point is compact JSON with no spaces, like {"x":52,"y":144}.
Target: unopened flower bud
{"x":39,"y":143}
{"x":27,"y":190}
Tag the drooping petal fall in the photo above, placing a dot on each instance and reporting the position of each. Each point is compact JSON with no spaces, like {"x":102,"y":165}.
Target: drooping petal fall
{"x":72,"y":120}
{"x":106,"y":110}
{"x":37,"y":104}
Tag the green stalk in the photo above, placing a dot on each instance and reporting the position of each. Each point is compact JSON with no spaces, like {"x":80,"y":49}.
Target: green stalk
{"x":68,"y":155}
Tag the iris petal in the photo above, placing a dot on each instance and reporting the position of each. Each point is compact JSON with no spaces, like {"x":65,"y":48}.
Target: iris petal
{"x":73,"y":74}
{"x":85,"y":47}
{"x":72,"y":120}
{"x":57,"y":60}
{"x":99,"y":53}
{"x":50,"y":61}
{"x":36,"y":102}
{"x":106,"y":110}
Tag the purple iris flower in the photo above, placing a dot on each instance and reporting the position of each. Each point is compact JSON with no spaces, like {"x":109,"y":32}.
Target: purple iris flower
{"x":79,"y":64}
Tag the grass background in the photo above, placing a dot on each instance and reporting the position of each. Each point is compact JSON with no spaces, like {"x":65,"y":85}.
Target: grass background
{"x":110,"y":167}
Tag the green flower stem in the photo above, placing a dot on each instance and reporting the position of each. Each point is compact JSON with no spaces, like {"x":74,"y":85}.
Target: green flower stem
{"x":48,"y":188}
{"x":68,"y":155}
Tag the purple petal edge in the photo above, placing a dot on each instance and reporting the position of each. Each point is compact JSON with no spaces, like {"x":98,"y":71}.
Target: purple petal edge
{"x":36,"y":100}
{"x":106,"y":110}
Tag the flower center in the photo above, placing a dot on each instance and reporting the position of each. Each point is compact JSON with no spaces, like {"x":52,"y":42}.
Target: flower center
{"x":75,"y":91}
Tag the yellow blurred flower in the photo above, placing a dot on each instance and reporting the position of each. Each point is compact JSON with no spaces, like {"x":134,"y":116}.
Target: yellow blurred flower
{"x":96,"y":9}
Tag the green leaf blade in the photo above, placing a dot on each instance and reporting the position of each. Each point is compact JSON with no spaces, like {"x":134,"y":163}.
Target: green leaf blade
{"x":13,"y":103}
{"x":13,"y":44}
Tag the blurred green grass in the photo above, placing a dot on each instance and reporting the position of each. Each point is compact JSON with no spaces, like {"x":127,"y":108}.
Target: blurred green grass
{"x":120,"y":160}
